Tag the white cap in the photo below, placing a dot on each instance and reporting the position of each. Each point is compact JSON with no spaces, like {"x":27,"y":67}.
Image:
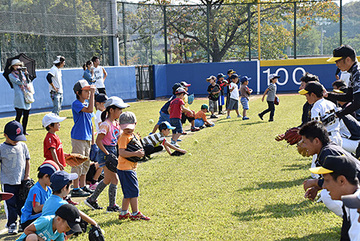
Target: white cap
{"x":16,"y":61}
{"x":57,"y":60}
{"x":51,"y":118}
{"x":272,"y":76}
{"x":118,"y":102}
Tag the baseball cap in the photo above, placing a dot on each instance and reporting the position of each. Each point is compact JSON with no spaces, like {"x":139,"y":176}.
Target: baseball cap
{"x":16,"y":62}
{"x":60,"y":178}
{"x":118,"y":102}
{"x":127,"y":120}
{"x":5,"y":195}
{"x":352,"y":200}
{"x":231,"y":71}
{"x":220,"y":75}
{"x":211,"y":77}
{"x":14,"y":130}
{"x":204,"y":106}
{"x":58,"y":59}
{"x":71,"y":215}
{"x":312,"y":87}
{"x":244,"y":78}
{"x":341,"y":165}
{"x":272,"y":76}
{"x":234,"y":76}
{"x":180,"y":90}
{"x":165,"y":125}
{"x":51,"y":118}
{"x":101,"y":98}
{"x":341,"y":52}
{"x":48,"y":167}
{"x":81,"y":85}
{"x":183,"y":83}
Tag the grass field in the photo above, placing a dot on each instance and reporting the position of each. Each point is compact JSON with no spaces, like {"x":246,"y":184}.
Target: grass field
{"x":237,"y":184}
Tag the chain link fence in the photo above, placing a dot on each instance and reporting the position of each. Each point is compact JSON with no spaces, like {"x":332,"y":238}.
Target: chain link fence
{"x":159,"y":34}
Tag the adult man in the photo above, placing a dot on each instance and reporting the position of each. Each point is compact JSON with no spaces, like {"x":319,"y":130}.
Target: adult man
{"x":54,"y":78}
{"x":100,"y":75}
{"x":341,"y":178}
{"x":345,"y":59}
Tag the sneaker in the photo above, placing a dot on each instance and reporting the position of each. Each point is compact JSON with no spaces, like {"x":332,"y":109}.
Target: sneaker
{"x":93,"y":205}
{"x":125,"y":216}
{"x":139,"y":216}
{"x":246,"y":118}
{"x":178,"y":140}
{"x":228,"y":117}
{"x":114,"y":208}
{"x":93,"y":186}
{"x":193,"y":129}
{"x":239,"y":116}
{"x":184,"y":133}
{"x":12,"y":229}
{"x":221,"y":113}
{"x":86,"y":189}
{"x":260,"y":116}
{"x":174,"y":144}
{"x":213,"y":116}
{"x":68,"y":199}
{"x":20,"y":229}
{"x":271,"y":120}
{"x":79,"y":193}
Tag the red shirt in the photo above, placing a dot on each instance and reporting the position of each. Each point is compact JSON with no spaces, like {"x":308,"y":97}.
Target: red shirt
{"x":53,"y":141}
{"x":175,"y":108}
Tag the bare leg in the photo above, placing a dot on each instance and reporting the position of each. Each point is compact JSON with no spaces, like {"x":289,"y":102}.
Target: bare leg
{"x":244,"y":112}
{"x":155,"y":128}
{"x":97,"y":173}
{"x":125,"y":204}
{"x":82,"y":180}
{"x":134,"y":204}
{"x":176,"y":136}
{"x":76,"y":183}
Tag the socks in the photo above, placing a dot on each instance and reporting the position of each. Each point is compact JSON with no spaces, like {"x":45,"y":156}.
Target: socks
{"x":100,"y":187}
{"x":123,"y":212}
{"x":112,"y":194}
{"x":134,"y":213}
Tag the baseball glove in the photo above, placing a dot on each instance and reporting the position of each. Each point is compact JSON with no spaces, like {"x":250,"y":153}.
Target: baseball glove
{"x":111,"y":162}
{"x":277,"y":100}
{"x":177,"y":153}
{"x":302,"y":150}
{"x":95,"y":234}
{"x":25,"y":188}
{"x":292,"y":136}
{"x":133,"y":146}
{"x":75,"y":159}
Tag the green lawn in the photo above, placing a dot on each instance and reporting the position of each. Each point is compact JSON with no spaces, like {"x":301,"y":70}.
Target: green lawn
{"x":238,"y":184}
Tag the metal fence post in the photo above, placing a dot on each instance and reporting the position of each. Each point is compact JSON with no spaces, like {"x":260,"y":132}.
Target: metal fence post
{"x":165,"y":35}
{"x":294,"y":30}
{"x":76,"y":38}
{"x":341,"y":22}
{"x":249,"y":29}
{"x":124,"y":31}
{"x":208,"y":31}
{"x":115,"y":40}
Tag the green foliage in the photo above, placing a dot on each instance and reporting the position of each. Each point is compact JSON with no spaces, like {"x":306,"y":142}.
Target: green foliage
{"x":238,"y":184}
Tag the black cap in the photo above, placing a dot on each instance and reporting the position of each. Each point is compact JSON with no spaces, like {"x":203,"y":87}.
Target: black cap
{"x":101,"y":98}
{"x":71,"y":215}
{"x":312,"y":87}
{"x":342,"y":52}
{"x":14,"y":130}
{"x":342,"y":165}
{"x":234,"y":76}
{"x":220,"y":75}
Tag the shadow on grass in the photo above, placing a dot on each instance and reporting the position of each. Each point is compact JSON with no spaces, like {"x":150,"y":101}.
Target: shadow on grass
{"x":333,"y":233}
{"x":280,"y":210}
{"x":294,"y":167}
{"x":275,"y":185}
{"x":235,"y":119}
{"x":7,"y":236}
{"x":110,"y":222}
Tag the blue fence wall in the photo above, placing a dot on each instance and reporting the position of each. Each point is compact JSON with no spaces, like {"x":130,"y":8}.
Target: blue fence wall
{"x":120,"y":82}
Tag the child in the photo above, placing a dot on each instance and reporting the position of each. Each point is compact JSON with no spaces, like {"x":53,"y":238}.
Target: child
{"x":127,"y":169}
{"x":245,"y":93}
{"x":107,"y":142}
{"x":15,"y":167}
{"x":155,"y":142}
{"x":82,"y":135}
{"x":67,"y":218}
{"x":222,"y":83}
{"x":100,"y":100}
{"x":53,"y":149}
{"x":271,"y":93}
{"x":213,"y":91}
{"x":38,"y":194}
{"x":200,"y":117}
{"x":177,"y":106}
{"x":230,"y":72}
{"x":185,"y":116}
{"x":234,"y":96}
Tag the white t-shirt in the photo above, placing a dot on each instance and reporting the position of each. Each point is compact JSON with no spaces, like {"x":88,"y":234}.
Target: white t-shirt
{"x":99,"y":77}
{"x":97,"y":120}
{"x":56,"y":79}
{"x":345,"y":76}
{"x":353,"y":216}
{"x":320,"y":109}
{"x":235,"y":93}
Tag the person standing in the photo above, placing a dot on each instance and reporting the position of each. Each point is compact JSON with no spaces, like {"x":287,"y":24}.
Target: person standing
{"x":54,"y":78}
{"x":100,"y":75}
{"x":271,"y":93}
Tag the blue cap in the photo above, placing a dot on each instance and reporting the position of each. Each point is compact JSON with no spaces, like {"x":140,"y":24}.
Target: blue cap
{"x":14,"y":130}
{"x":48,"y":167}
{"x":234,"y":76}
{"x":165,"y":125}
{"x":60,"y":178}
{"x":244,"y":78}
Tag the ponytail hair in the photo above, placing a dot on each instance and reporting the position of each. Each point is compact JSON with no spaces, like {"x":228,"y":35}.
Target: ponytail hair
{"x":105,"y":114}
{"x":86,"y":64}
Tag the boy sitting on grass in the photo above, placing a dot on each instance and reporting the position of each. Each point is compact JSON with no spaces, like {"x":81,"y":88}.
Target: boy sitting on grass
{"x":38,"y":194}
{"x":200,"y":117}
{"x":67,"y":218}
{"x":155,"y":142}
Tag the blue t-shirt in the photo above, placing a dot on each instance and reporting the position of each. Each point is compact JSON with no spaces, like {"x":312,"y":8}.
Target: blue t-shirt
{"x":82,"y":129}
{"x":52,"y":204}
{"x":44,"y":229}
{"x":36,"y":194}
{"x":167,"y":104}
{"x":87,"y":76}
